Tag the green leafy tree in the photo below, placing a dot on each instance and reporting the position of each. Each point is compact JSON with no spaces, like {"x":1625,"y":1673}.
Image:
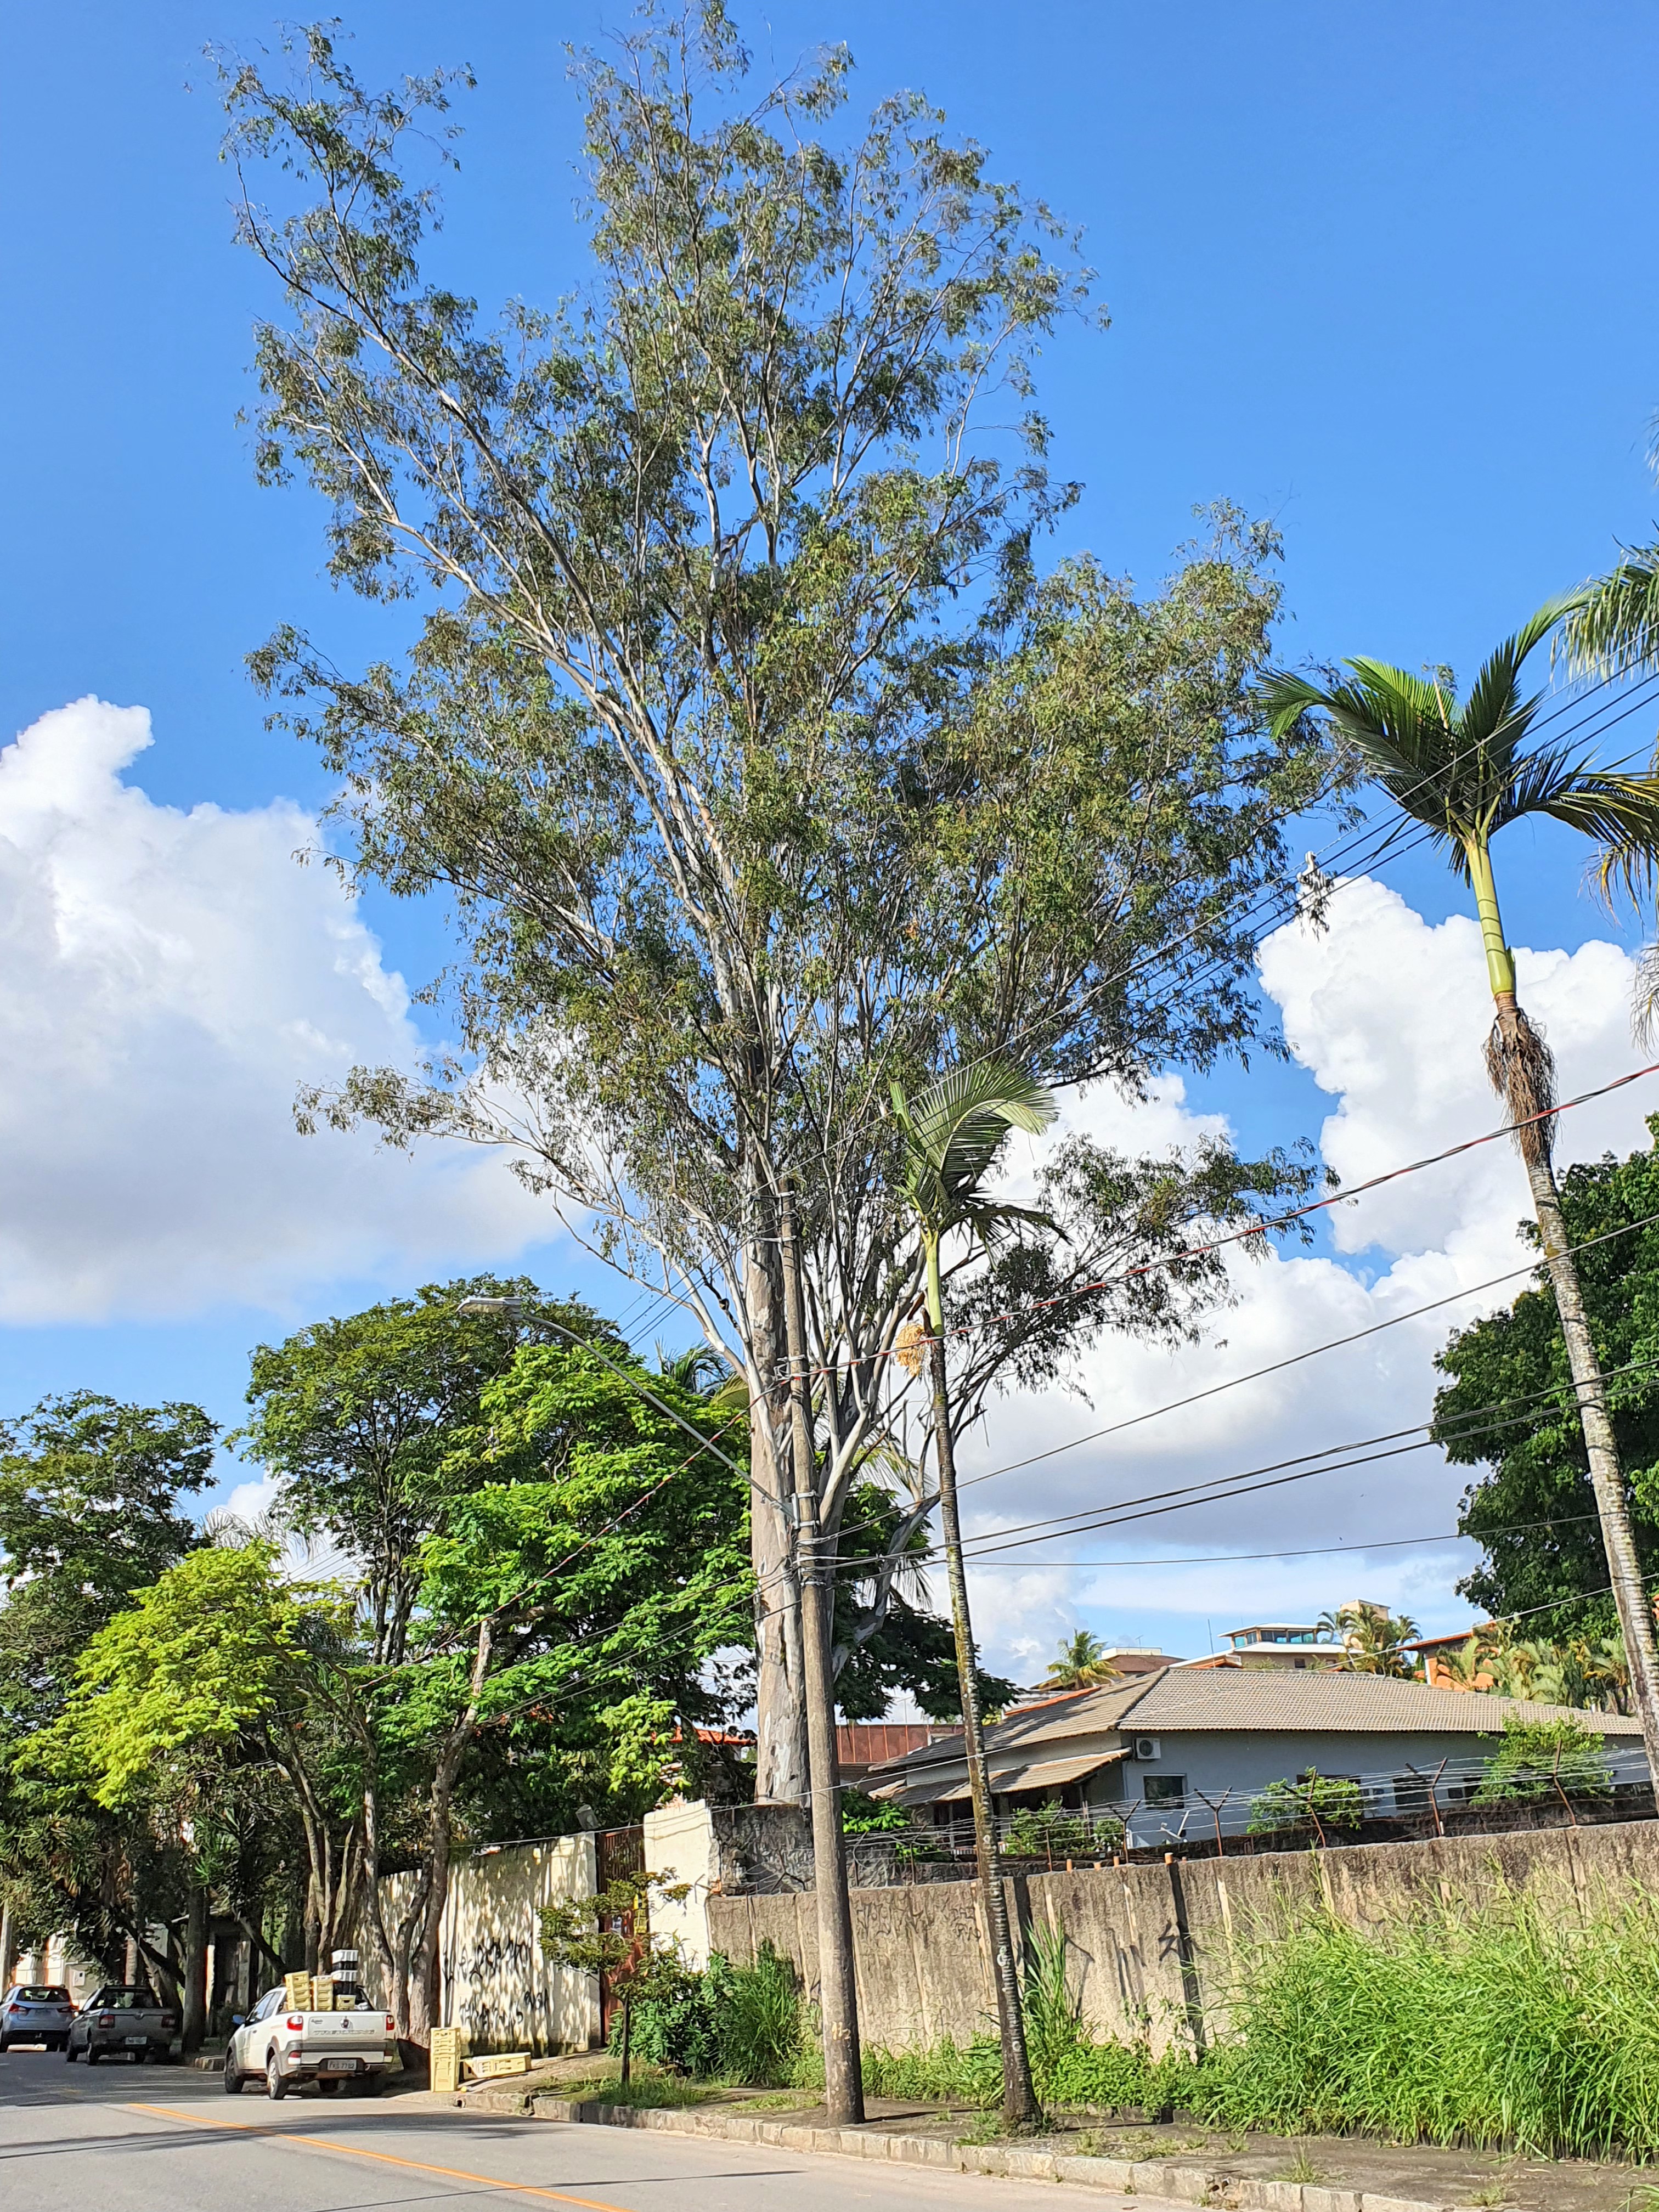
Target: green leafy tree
{"x":542,"y":1543}
{"x":358,"y":1419}
{"x":1373,"y":1639}
{"x":220,"y":1678}
{"x":1465,"y":769}
{"x":1082,"y":1664}
{"x":757,"y":760}
{"x":1508,"y":1408}
{"x":92,"y":1509}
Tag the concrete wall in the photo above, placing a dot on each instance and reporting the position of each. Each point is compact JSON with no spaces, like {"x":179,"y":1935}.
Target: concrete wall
{"x":498,"y":1986}
{"x":1154,"y":1946}
{"x":682,"y":1846}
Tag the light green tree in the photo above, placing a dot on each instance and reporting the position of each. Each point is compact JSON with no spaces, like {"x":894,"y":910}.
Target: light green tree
{"x":220,"y":1673}
{"x":1465,"y":768}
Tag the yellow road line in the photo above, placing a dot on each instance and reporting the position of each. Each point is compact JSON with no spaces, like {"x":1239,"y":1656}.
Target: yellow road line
{"x":380,"y":2157}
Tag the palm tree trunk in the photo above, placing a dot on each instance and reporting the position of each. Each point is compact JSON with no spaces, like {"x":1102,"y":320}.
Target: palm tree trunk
{"x":1518,"y":1063}
{"x":1606,"y":1478}
{"x":1019,"y":2104}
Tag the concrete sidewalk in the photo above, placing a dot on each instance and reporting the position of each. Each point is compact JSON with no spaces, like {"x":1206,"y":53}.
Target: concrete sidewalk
{"x":1254,"y":2173}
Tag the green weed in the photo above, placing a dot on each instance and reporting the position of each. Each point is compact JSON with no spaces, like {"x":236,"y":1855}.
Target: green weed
{"x":1499,"y":2027}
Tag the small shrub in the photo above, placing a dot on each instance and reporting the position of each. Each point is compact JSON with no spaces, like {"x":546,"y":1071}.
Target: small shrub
{"x":870,"y":1816}
{"x":1313,"y":1800}
{"x":1536,"y":1758}
{"x":1050,"y":1831}
{"x":674,"y":2026}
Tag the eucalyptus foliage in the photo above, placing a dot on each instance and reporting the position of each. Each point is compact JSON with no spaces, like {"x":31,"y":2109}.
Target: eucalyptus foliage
{"x":758,"y":761}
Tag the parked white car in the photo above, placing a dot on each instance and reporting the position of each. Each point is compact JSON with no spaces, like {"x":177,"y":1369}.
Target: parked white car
{"x":36,"y":2011}
{"x":350,"y":2047}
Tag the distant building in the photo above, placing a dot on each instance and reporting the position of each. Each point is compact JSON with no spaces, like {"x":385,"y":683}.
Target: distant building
{"x":1139,"y":1659}
{"x":860,"y":1744}
{"x":1435,"y":1651}
{"x":1192,"y":1746}
{"x":1283,"y":1644}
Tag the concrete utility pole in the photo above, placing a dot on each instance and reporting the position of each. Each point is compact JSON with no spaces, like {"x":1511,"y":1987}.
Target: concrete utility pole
{"x":843,"y":2074}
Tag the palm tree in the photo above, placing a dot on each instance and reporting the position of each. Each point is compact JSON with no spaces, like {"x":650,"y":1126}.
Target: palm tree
{"x":1458,"y":767}
{"x":952,"y":1136}
{"x":1082,"y":1664}
{"x":1373,"y":1639}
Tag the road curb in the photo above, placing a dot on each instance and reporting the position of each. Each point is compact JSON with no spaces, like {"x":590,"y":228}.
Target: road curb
{"x":1192,"y":2184}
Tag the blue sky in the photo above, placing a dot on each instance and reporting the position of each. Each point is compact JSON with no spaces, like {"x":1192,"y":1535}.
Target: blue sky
{"x":1367,"y":271}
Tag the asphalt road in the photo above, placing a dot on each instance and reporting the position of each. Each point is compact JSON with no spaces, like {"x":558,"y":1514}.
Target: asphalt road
{"x":128,"y":2138}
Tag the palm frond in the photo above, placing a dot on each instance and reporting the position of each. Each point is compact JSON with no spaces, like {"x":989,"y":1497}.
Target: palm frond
{"x":955,"y":1129}
{"x":1644,"y":999}
{"x":958,"y":1123}
{"x":1403,"y":730}
{"x":1622,"y":814}
{"x":1615,"y":625}
{"x":1448,"y":764}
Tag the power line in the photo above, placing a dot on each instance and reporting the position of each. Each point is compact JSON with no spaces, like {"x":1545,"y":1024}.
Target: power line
{"x":1307,"y":1552}
{"x":1313,"y":1351}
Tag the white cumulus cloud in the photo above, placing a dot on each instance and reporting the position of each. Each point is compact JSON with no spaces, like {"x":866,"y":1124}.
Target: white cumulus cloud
{"x":167,"y":980}
{"x":1387,"y":1014}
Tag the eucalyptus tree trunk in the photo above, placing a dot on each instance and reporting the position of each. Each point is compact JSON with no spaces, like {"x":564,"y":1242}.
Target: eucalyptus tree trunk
{"x":1019,"y":2104}
{"x":1522,"y":1071}
{"x":843,"y":2083}
{"x":780,"y":1761}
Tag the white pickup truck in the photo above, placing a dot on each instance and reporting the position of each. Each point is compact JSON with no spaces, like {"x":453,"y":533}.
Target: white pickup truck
{"x":350,"y":2046}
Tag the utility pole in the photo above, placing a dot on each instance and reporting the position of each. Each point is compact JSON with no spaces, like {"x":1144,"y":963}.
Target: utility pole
{"x":1019,"y":2104}
{"x":843,"y":2077}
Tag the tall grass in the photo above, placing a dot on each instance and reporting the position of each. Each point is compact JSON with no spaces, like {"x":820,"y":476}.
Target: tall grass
{"x":758,"y":2010}
{"x":1496,"y":2026}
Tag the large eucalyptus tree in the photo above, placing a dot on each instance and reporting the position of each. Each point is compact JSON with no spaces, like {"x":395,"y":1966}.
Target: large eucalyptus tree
{"x":1465,"y":768}
{"x":759,"y":765}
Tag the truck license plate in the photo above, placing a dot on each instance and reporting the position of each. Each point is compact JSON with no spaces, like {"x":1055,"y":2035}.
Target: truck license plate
{"x":339,"y":2066}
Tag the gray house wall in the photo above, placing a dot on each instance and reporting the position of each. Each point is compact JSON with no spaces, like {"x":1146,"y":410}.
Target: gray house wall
{"x":1245,"y":1763}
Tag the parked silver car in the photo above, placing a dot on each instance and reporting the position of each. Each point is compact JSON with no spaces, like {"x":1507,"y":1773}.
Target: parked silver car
{"x":122,"y":2018}
{"x":36,"y":2011}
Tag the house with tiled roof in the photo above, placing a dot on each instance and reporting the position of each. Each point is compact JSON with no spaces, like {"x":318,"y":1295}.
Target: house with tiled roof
{"x":1176,"y":1751}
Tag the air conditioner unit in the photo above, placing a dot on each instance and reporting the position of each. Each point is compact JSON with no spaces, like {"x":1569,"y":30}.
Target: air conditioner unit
{"x":1148,"y":1747}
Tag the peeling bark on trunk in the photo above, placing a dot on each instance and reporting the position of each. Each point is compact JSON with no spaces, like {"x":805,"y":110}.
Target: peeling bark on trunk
{"x":781,"y":1775}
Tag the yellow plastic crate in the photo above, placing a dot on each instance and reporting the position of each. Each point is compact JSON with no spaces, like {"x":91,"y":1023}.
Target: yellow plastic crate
{"x":445,"y":2058}
{"x":493,"y":2064}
